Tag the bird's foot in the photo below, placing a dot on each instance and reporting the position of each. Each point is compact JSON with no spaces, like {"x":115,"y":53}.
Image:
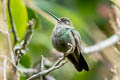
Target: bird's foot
{"x":70,"y":50}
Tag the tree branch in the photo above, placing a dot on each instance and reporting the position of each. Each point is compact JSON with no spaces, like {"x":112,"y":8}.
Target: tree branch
{"x":21,"y":48}
{"x":101,"y":45}
{"x":5,"y":30}
{"x":115,"y":24}
{"x":57,"y":65}
{"x":9,"y":52}
{"x":27,"y":70}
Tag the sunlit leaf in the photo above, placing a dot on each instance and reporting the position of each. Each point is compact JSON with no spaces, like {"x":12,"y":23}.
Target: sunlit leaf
{"x":20,"y":17}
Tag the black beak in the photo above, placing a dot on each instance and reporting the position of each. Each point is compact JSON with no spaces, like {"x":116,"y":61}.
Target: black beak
{"x":53,"y":16}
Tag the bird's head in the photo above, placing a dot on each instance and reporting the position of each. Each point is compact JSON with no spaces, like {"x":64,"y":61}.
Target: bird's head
{"x":62,"y":20}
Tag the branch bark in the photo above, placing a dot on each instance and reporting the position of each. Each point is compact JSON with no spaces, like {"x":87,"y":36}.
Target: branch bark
{"x":8,"y":53}
{"x":101,"y":45}
{"x":57,"y":65}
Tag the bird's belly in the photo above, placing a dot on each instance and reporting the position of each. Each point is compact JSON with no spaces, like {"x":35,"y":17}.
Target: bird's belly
{"x":60,"y":43}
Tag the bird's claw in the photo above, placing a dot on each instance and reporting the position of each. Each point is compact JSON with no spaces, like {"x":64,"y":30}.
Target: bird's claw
{"x":70,"y":50}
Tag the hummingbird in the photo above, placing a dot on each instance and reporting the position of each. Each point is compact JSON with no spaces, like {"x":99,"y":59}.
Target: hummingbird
{"x":65,"y":36}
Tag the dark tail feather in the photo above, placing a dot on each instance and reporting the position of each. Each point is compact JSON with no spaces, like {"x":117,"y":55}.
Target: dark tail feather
{"x":83,"y":63}
{"x":80,"y":64}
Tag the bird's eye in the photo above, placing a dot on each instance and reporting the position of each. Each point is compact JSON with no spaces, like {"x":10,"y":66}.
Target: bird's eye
{"x":66,"y":22}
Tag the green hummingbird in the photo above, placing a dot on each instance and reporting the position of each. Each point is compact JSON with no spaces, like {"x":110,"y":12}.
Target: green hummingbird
{"x":65,"y":36}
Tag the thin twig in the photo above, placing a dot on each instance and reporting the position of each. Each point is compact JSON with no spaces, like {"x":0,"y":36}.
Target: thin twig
{"x":4,"y":68}
{"x":42,"y":66}
{"x":57,"y":65}
{"x":21,"y":48}
{"x":12,"y":24}
{"x":27,"y":70}
{"x":28,"y":34}
{"x":22,"y":70}
{"x":42,"y":63}
{"x":59,"y":60}
{"x":47,"y":71}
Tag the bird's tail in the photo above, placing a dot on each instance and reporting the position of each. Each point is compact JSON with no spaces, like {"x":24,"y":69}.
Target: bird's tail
{"x":80,"y":63}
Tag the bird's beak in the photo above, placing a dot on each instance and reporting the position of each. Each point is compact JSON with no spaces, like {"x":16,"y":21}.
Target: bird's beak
{"x":54,"y":16}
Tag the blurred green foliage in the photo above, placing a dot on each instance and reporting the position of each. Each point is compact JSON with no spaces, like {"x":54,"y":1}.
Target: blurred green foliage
{"x":81,"y":12}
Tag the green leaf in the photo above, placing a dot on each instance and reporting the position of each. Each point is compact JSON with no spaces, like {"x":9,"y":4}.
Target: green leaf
{"x":20,"y":17}
{"x":22,"y":78}
{"x":26,"y":60}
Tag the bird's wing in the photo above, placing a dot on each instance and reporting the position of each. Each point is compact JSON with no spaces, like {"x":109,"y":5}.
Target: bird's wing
{"x":76,"y":37}
{"x":81,"y":63}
